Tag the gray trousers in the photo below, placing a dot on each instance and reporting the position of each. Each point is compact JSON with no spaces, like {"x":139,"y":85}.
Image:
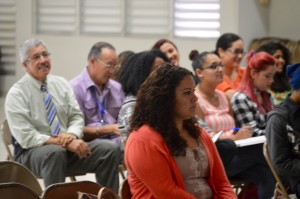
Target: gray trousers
{"x":53,"y":162}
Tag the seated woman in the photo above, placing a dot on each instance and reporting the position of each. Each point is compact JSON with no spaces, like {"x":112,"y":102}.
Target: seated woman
{"x":213,"y":106}
{"x":167,"y":154}
{"x":252,"y":102}
{"x":122,"y":56}
{"x":169,"y":48}
{"x":248,"y":163}
{"x":281,"y":87}
{"x":133,"y":73}
{"x":283,"y":133}
{"x":230,"y":49}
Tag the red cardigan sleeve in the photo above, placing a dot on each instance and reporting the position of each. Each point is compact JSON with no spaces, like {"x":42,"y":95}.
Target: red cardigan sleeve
{"x":151,"y":168}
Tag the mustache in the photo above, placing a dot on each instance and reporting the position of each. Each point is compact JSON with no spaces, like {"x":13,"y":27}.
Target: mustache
{"x":44,"y":65}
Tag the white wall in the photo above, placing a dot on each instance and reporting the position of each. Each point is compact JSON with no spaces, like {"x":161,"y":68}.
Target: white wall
{"x":284,"y":19}
{"x":247,"y":18}
{"x":253,"y":20}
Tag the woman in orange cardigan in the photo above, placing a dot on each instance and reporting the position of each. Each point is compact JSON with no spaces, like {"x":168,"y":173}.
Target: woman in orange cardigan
{"x":167,"y":155}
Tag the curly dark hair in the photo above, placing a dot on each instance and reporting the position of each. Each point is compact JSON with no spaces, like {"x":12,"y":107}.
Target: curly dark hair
{"x":155,"y":106}
{"x":281,"y":82}
{"x":137,"y":68}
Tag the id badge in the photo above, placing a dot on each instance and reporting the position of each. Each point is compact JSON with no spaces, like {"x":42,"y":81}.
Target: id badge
{"x":102,"y":123}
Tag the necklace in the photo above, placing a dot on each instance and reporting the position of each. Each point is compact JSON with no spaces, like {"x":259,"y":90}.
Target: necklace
{"x":196,"y":155}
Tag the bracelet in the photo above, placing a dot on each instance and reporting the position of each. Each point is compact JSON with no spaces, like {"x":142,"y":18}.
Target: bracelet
{"x":97,"y":131}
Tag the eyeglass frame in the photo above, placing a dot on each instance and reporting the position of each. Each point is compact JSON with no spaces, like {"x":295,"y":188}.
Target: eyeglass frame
{"x":107,"y":66}
{"x":214,"y":66}
{"x":37,"y":57}
{"x":237,"y":51}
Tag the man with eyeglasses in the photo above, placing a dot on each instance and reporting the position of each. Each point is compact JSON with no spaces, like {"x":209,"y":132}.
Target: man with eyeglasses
{"x":46,"y":123}
{"x":100,"y":98}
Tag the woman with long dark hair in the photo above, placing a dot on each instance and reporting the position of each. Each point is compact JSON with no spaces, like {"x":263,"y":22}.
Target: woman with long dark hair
{"x":167,"y":155}
{"x":230,"y":49}
{"x":133,"y":73}
{"x":280,"y":87}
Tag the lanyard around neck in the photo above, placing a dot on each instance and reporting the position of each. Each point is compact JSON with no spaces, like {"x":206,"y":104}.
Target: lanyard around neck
{"x":100,"y":107}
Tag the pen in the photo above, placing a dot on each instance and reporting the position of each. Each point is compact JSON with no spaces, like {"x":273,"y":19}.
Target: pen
{"x":235,"y":130}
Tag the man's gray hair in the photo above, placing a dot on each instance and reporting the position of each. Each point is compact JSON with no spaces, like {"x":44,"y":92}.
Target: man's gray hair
{"x":96,"y":49}
{"x":27,"y":45}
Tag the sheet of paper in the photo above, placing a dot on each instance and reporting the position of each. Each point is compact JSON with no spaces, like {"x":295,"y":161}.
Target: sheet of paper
{"x":251,"y":141}
{"x":216,"y":137}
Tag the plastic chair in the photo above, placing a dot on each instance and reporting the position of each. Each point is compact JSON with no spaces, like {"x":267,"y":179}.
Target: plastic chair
{"x":280,"y":190}
{"x":7,"y":141}
{"x":68,"y":190}
{"x":122,"y":170}
{"x":16,"y":191}
{"x":124,"y":190}
{"x":11,"y":171}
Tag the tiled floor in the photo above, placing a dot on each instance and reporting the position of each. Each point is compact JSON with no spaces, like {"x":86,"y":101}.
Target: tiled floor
{"x":90,"y":177}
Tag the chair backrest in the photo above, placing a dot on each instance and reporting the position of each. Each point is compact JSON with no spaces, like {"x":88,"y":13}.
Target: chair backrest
{"x":280,"y":188}
{"x":16,"y":191}
{"x":68,"y":190}
{"x":7,"y":139}
{"x":11,"y":171}
{"x":124,"y":190}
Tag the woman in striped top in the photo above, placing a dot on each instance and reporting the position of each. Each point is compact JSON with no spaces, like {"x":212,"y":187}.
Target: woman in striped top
{"x":213,"y":106}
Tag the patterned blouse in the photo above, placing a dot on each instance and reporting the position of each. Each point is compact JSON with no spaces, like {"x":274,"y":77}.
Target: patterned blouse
{"x":125,"y":114}
{"x":246,"y":112}
{"x":194,"y":168}
{"x":278,"y":97}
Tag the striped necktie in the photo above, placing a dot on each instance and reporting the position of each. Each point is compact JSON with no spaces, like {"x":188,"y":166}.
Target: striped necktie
{"x":51,"y":111}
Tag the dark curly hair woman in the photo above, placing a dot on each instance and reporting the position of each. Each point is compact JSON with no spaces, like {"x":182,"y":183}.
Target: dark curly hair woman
{"x":133,"y":73}
{"x":280,"y":87}
{"x":167,"y":154}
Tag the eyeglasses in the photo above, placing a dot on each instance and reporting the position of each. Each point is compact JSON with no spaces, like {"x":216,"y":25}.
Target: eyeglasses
{"x":237,"y":51}
{"x":107,"y":66}
{"x":37,"y":57}
{"x":214,"y":66}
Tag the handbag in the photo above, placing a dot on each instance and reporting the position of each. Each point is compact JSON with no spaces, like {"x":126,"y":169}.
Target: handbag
{"x":104,"y":193}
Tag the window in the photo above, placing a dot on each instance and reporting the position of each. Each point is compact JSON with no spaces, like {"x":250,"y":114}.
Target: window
{"x":7,"y":36}
{"x":147,"y":17}
{"x":101,"y":16}
{"x":56,"y":16}
{"x":180,"y":18}
{"x":197,"y":18}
